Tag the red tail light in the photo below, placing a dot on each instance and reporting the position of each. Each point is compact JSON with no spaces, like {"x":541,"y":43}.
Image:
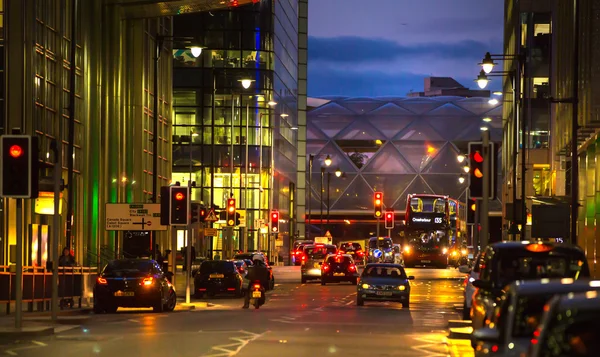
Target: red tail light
{"x":257,"y":286}
{"x":304,"y":257}
{"x":230,"y":289}
{"x":360,"y":252}
{"x":148,"y":281}
{"x":352,"y":268}
{"x":325,"y":266}
{"x":101,"y":281}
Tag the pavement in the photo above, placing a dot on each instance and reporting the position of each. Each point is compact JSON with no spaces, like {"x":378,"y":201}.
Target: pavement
{"x":297,"y":320}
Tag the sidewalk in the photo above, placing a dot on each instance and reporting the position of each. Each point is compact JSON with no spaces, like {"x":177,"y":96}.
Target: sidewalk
{"x":458,"y":341}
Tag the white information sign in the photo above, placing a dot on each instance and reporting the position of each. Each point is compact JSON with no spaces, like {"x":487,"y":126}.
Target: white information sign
{"x":133,"y":217}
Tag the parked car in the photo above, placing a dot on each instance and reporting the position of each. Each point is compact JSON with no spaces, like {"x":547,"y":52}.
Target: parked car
{"x":506,"y":262}
{"x":519,"y":313}
{"x":570,"y":326}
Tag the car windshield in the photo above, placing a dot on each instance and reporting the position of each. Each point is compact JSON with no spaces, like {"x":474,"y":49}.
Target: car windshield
{"x":521,"y":265}
{"x":339,"y":260}
{"x":216,"y":266}
{"x":380,"y":271}
{"x":351,"y":246}
{"x":318,"y":252}
{"x":385,"y":243}
{"x":135,"y":267}
{"x":528,"y":313}
{"x":573,"y":333}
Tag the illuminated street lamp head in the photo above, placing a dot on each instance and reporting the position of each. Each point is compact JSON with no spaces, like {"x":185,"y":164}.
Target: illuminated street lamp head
{"x":487,"y":119}
{"x":196,"y":51}
{"x":328,"y":161}
{"x":493,"y":101}
{"x":487,"y":63}
{"x":466,"y":169}
{"x":284,"y":115}
{"x":460,"y":158}
{"x":246,"y":82}
{"x":482,"y":80}
{"x":338,"y":172}
{"x":461,"y":180}
{"x":271,"y":103}
{"x":484,"y":128}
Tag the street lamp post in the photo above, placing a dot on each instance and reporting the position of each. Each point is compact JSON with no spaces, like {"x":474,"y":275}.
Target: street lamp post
{"x":327,"y":162}
{"x":338,"y":173}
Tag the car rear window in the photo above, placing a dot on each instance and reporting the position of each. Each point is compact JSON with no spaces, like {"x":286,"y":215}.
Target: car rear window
{"x":514,"y":265}
{"x":339,"y":260}
{"x":216,"y":267}
{"x":380,"y":271}
{"x":128,"y":266}
{"x":318,"y":252}
{"x":573,"y":333}
{"x":351,"y":246}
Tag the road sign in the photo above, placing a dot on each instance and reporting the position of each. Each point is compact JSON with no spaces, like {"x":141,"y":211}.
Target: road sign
{"x":211,"y":232}
{"x":328,"y":234}
{"x":211,"y":216}
{"x":133,"y":217}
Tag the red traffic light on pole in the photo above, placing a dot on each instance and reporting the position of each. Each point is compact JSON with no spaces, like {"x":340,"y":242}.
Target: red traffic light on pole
{"x":19,"y":166}
{"x":389,"y":219}
{"x":230,"y":216}
{"x":274,"y":221}
{"x":378,"y":204}
{"x":476,"y":169}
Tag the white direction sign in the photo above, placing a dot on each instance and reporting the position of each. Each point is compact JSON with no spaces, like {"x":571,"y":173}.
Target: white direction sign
{"x":133,"y":217}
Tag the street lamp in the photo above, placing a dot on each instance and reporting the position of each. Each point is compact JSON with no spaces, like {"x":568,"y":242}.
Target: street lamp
{"x":338,"y":173}
{"x":487,"y":119}
{"x":487,"y":63}
{"x":482,"y":80}
{"x":246,"y":82}
{"x":196,"y":51}
{"x":461,"y":158}
{"x":327,"y":163}
{"x":493,"y":101}
{"x":484,"y":128}
{"x":466,"y":169}
{"x":461,"y":179}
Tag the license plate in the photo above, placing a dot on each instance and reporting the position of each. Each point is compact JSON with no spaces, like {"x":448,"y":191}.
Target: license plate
{"x":124,"y":293}
{"x":256,"y":294}
{"x":384,"y":293}
{"x":425,"y":261}
{"x":339,"y":274}
{"x":216,"y":276}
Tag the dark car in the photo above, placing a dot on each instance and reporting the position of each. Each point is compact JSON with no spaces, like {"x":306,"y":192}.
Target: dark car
{"x":570,"y":327}
{"x":242,"y":267}
{"x":355,"y":250}
{"x":133,"y":283}
{"x":217,"y":277}
{"x":384,"y":282}
{"x":297,"y":250}
{"x":339,"y":268}
{"x":519,"y":314}
{"x":247,"y":257}
{"x":506,"y":262}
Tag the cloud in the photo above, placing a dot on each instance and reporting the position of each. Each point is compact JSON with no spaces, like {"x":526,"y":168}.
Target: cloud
{"x":361,"y":50}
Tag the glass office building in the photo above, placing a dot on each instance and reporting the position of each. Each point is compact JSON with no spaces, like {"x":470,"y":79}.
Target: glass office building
{"x":234,"y":141}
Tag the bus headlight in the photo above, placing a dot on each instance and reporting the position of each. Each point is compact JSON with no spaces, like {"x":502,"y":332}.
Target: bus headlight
{"x":445,"y":250}
{"x":464,"y":252}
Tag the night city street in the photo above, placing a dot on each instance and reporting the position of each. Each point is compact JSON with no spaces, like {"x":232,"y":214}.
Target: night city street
{"x":297,"y":320}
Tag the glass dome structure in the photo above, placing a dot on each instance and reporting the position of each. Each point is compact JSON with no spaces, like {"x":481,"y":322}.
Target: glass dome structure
{"x":395,"y":145}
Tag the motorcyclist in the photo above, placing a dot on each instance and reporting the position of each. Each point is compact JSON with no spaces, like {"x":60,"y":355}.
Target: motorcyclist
{"x":258,"y":272}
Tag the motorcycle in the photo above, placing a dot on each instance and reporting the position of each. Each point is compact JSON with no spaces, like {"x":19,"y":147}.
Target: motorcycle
{"x":257,"y":296}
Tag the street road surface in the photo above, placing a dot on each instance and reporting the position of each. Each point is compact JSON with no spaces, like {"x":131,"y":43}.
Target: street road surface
{"x":297,"y":320}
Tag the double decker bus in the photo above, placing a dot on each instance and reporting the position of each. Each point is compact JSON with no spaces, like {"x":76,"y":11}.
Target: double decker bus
{"x":428,"y":229}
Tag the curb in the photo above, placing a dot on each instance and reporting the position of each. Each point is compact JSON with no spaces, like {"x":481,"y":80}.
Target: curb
{"x":26,"y":331}
{"x":460,"y":333}
{"x":459,"y":323}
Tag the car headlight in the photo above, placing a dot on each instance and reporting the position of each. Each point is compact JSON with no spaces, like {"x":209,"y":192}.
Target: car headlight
{"x":365,"y":286}
{"x":445,"y":250}
{"x":401,"y":287}
{"x":455,"y":253}
{"x":464,"y":252}
{"x":407,"y":250}
{"x":388,"y":253}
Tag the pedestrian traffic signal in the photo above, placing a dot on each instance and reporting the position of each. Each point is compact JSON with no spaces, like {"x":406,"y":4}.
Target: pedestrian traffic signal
{"x":230,"y":215}
{"x":389,"y":219}
{"x":195,"y":214}
{"x":19,"y":178}
{"x":274,"y":221}
{"x":476,"y":169}
{"x":378,"y":204}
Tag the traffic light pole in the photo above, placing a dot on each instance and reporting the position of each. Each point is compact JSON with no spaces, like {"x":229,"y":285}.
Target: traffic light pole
{"x":188,"y":263}
{"x":19,"y":271}
{"x":56,"y":227}
{"x":378,"y":223}
{"x":486,"y":190}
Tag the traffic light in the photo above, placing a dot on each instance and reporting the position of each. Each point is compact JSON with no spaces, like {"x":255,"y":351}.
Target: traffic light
{"x":471,"y":210}
{"x":230,"y":215}
{"x":476,"y":165}
{"x":195,"y":214}
{"x":378,"y":204}
{"x":19,"y":177}
{"x":179,"y":206}
{"x":389,"y":219}
{"x":274,"y":221}
{"x":203,"y":212}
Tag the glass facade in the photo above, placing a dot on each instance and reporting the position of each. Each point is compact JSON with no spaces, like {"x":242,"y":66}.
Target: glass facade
{"x":232,"y":141}
{"x":394,"y":145}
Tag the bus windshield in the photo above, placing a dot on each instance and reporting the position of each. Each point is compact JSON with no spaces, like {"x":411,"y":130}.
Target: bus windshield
{"x":428,"y":204}
{"x":385,"y":243}
{"x":428,"y":242}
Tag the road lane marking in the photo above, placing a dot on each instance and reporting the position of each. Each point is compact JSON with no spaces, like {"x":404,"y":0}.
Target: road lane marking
{"x":232,"y":349}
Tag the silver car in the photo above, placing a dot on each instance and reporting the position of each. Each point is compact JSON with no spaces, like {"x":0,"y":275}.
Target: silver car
{"x":315,"y":256}
{"x":472,"y":275}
